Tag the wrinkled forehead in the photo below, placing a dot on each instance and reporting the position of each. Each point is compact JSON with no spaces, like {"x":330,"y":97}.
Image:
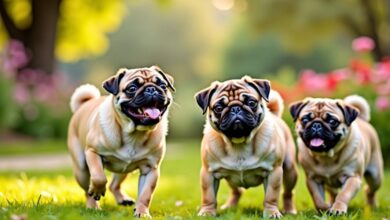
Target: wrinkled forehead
{"x":321,"y":107}
{"x":142,"y":76}
{"x":233,"y":90}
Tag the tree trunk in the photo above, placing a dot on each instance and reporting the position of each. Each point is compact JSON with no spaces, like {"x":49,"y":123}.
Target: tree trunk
{"x":40,"y":37}
{"x":42,"y":34}
{"x":373,"y":28}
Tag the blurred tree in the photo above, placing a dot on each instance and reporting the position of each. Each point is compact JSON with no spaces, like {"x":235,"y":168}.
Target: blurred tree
{"x":301,"y":23}
{"x":262,"y":55}
{"x":71,"y":29}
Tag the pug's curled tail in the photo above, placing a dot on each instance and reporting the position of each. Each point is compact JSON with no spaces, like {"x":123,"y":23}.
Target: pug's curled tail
{"x":275,"y":104}
{"x":82,"y":94}
{"x":361,"y":104}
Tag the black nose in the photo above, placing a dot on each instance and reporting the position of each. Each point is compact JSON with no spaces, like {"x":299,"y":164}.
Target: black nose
{"x":150,"y":90}
{"x":235,"y":109}
{"x":316,"y":127}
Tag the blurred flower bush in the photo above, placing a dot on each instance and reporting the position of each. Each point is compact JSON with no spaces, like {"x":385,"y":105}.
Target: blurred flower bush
{"x":33,"y":103}
{"x":362,"y":76}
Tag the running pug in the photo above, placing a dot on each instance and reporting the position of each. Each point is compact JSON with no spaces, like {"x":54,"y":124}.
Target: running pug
{"x":337,"y":147}
{"x":121,"y":132}
{"x":247,"y":143}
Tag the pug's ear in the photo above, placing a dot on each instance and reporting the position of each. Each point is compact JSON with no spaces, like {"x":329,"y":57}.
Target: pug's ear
{"x":350,"y":113}
{"x":166,"y":77}
{"x":262,"y":86}
{"x":296,"y":108}
{"x":111,"y":84}
{"x":203,"y":97}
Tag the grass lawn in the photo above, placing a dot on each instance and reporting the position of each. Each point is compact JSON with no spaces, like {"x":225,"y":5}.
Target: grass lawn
{"x":55,"y":194}
{"x":32,"y":147}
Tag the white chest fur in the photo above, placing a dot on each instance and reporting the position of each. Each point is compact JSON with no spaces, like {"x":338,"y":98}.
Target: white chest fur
{"x":131,"y":156}
{"x":241,"y":167}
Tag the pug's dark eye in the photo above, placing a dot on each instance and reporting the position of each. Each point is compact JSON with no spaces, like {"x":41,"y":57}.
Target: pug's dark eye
{"x":218,"y":109}
{"x":333,"y":122}
{"x":131,"y":89}
{"x":305,"y":120}
{"x":252,"y":104}
{"x":163,"y":86}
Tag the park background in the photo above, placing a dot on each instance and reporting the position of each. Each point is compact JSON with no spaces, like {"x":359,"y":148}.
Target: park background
{"x":318,"y":48}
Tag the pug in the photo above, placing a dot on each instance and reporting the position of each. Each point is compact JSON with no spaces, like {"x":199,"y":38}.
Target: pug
{"x":337,"y":148}
{"x":121,"y":132}
{"x":246,"y":143}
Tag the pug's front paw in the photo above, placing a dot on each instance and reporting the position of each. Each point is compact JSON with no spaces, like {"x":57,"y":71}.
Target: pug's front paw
{"x":97,"y":188}
{"x":338,"y":208}
{"x":207,"y":211}
{"x":272,"y":213}
{"x":141,"y":211}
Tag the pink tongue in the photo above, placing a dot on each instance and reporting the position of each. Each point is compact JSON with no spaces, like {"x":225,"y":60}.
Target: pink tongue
{"x":152,"y":113}
{"x":316,"y":142}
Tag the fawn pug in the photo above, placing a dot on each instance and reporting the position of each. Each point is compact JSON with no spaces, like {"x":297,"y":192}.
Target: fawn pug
{"x":337,"y":147}
{"x":121,"y":132}
{"x":247,"y":143}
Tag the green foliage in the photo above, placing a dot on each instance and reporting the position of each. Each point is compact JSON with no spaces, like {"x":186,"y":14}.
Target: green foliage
{"x":56,"y":195}
{"x":84,"y":25}
{"x":46,"y":122}
{"x":8,"y":108}
{"x":302,"y":24}
{"x":260,"y":56}
{"x":33,"y":117}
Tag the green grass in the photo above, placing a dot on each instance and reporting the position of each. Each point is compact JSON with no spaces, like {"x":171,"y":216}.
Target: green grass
{"x":32,"y":147}
{"x":55,"y":195}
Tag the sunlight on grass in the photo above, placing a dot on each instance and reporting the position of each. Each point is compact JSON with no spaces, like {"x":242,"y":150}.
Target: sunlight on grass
{"x":56,"y":195}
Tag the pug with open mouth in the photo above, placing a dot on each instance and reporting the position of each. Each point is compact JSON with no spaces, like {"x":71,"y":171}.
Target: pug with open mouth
{"x":121,"y":132}
{"x":337,"y":148}
{"x":246,"y":143}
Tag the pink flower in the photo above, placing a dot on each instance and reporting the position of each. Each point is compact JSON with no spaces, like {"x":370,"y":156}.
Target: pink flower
{"x":382,"y":103}
{"x":383,"y":89}
{"x":16,"y":56}
{"x":312,"y":82}
{"x":44,"y":92}
{"x":21,"y":94}
{"x":362,"y":70}
{"x":382,"y":71}
{"x":341,"y":74}
{"x":363,"y":44}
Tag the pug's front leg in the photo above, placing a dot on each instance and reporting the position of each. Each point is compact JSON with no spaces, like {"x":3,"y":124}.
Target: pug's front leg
{"x":146,"y":185}
{"x":272,"y":192}
{"x":98,"y":183}
{"x":210,"y":187}
{"x":348,"y":191}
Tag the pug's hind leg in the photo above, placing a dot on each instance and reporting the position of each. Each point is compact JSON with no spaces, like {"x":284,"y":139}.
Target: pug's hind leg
{"x":115,"y":187}
{"x":290,"y":176}
{"x":318,"y":194}
{"x":80,"y":169}
{"x":374,"y":177}
{"x":234,"y":197}
{"x":83,"y":179}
